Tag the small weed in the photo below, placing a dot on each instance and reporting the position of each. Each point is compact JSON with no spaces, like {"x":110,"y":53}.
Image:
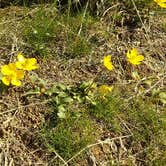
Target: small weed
{"x":62,"y":96}
{"x":77,"y":43}
{"x":68,"y":127}
{"x":77,"y":46}
{"x":106,"y":108}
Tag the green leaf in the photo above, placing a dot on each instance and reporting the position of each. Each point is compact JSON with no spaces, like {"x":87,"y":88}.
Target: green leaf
{"x":56,"y":100}
{"x":78,"y":98}
{"x":162,"y":96}
{"x":86,"y":84}
{"x":49,"y":92}
{"x":61,"y":86}
{"x":68,"y":99}
{"x":62,"y":94}
{"x":61,"y":112}
{"x":61,"y":115}
{"x":54,"y":89}
{"x":61,"y":108}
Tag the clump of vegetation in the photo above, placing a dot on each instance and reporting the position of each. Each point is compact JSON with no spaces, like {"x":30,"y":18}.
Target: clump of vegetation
{"x":40,"y":32}
{"x":48,"y":28}
{"x":105,"y":109}
{"x":138,"y":117}
{"x":68,"y":136}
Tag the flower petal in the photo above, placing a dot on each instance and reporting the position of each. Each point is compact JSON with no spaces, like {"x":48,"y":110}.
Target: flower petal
{"x":107,"y":62}
{"x":161,"y":3}
{"x":137,"y":60}
{"x":6,"y":80}
{"x":105,"y":89}
{"x":26,"y":63}
{"x":20,"y":74}
{"x":133,"y":57}
{"x":15,"y":82}
{"x":132,"y":53}
{"x":31,"y":64}
{"x":19,"y":65}
{"x":8,"y":69}
{"x":5,"y":70}
{"x":21,"y":58}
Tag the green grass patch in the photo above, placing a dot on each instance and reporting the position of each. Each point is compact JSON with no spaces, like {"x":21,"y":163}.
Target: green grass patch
{"x":39,"y":31}
{"x":138,"y":117}
{"x":142,"y":119}
{"x":68,"y":136}
{"x":68,"y":127}
{"x":47,"y":28}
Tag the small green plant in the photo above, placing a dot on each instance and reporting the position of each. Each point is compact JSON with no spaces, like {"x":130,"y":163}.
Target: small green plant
{"x":106,"y":108}
{"x":77,"y":43}
{"x":68,"y":136}
{"x":68,"y":127}
{"x":77,"y":46}
{"x":62,"y":96}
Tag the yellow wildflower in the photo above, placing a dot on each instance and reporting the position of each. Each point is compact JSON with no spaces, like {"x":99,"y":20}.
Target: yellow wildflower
{"x":105,"y":90}
{"x":26,"y":63}
{"x":161,"y":3}
{"x":11,"y":75}
{"x":107,"y":62}
{"x":133,"y":57}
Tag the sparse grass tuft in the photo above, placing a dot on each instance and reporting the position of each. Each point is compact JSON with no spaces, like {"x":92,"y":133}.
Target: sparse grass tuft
{"x":70,"y":135}
{"x":40,"y":30}
{"x":77,"y":46}
{"x":106,"y":108}
{"x":48,"y":27}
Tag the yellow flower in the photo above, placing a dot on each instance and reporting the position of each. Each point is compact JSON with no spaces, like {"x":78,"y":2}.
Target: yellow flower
{"x":11,"y":75}
{"x":161,"y":3}
{"x":107,"y":62}
{"x":133,"y":57}
{"x":26,"y":63}
{"x":105,"y":90}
